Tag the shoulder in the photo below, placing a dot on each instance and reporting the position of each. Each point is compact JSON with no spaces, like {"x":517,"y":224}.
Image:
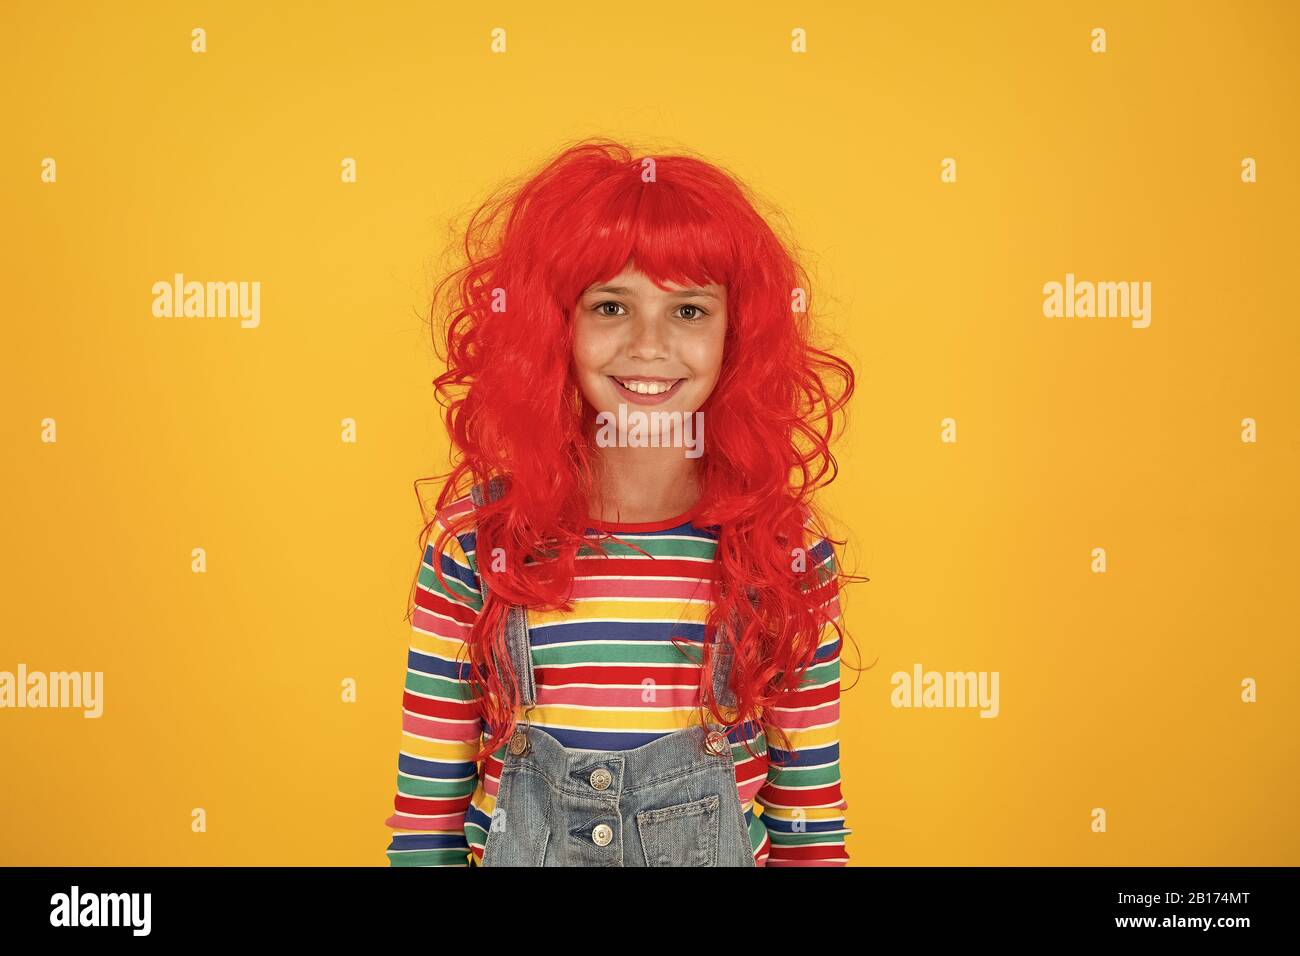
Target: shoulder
{"x":459,"y":511}
{"x":455,"y":526}
{"x":816,"y":540}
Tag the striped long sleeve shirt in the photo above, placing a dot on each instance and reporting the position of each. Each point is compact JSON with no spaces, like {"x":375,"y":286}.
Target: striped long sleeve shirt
{"x":590,"y":666}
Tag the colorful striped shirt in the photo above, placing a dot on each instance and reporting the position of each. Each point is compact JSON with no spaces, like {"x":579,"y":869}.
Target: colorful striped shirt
{"x":591,"y":666}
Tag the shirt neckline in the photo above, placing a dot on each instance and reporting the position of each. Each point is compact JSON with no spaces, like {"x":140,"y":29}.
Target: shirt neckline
{"x":663,"y":524}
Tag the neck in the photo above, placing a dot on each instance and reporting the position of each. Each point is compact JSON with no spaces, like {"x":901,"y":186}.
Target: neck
{"x":643,"y":484}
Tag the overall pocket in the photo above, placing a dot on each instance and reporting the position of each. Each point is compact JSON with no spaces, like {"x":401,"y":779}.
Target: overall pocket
{"x":685,"y":834}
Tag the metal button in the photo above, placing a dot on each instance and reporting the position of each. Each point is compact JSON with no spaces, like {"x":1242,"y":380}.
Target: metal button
{"x":601,"y":778}
{"x":601,"y":835}
{"x":519,"y":743}
{"x":717,"y":743}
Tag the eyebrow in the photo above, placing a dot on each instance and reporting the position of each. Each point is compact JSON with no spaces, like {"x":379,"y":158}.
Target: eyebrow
{"x":679,"y":294}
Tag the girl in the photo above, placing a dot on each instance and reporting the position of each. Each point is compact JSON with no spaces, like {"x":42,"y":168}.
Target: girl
{"x":626,"y":631}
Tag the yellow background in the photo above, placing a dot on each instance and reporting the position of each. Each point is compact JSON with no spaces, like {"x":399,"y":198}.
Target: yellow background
{"x":222,"y":690}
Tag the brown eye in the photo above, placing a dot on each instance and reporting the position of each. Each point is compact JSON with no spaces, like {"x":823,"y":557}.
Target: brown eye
{"x":602,"y":305}
{"x":698,"y":313}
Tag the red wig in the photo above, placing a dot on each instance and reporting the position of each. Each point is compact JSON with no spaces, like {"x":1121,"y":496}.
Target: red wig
{"x":513,"y":408}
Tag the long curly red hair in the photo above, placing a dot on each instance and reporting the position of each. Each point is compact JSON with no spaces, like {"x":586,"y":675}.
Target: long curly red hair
{"x":512,"y":407}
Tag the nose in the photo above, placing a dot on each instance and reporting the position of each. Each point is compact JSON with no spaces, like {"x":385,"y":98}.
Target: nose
{"x":648,"y":340}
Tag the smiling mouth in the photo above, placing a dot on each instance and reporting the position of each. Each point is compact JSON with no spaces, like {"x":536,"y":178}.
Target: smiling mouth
{"x":647,"y":391}
{"x":647,"y":386}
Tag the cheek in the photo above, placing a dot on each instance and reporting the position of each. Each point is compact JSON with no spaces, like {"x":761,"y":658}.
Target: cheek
{"x":706,"y":357}
{"x":590,"y":351}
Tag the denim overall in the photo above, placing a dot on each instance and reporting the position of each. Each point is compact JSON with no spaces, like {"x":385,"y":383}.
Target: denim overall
{"x":671,"y":802}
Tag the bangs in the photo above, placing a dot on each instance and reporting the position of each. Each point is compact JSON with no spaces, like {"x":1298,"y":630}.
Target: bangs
{"x":663,"y":230}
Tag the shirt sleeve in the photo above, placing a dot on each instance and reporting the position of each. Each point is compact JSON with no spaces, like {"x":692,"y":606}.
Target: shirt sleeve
{"x":803,"y":803}
{"x":436,"y":771}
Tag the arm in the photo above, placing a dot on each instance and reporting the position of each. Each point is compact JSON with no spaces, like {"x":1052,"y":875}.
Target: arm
{"x":803,"y":805}
{"x":440,"y":725}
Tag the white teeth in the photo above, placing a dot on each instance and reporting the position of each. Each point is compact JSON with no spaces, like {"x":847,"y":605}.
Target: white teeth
{"x":645,"y":388}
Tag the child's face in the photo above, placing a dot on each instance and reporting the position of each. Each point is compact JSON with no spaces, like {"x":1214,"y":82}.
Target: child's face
{"x":628,"y":330}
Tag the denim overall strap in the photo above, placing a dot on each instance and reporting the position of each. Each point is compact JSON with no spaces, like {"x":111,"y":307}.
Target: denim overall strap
{"x":722,"y":662}
{"x":516,"y":619}
{"x":723,"y":689}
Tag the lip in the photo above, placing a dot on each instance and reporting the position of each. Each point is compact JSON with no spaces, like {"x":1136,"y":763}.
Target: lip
{"x":638,"y":398}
